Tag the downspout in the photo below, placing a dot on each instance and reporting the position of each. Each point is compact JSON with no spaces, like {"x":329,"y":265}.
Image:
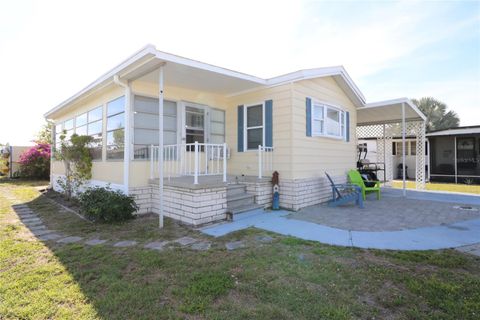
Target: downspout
{"x":127,"y":144}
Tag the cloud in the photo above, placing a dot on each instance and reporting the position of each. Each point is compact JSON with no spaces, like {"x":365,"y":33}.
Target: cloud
{"x":51,"y":49}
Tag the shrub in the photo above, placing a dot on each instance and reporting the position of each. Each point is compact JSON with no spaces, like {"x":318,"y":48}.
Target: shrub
{"x":106,"y":205}
{"x":35,"y":162}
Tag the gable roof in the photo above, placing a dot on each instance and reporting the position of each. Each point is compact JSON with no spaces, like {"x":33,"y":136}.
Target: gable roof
{"x":227,"y":81}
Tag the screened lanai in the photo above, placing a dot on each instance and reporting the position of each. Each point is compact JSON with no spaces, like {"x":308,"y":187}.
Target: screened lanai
{"x":388,"y":120}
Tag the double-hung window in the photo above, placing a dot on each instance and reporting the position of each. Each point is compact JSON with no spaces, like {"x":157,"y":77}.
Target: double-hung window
{"x":254,"y":126}
{"x":328,"y":121}
{"x":116,"y":128}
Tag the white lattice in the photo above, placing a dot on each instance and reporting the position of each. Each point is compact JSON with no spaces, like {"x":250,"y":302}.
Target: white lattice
{"x":384,"y":134}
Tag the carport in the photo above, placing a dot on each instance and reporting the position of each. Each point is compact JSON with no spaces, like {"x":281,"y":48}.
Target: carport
{"x":394,"y":119}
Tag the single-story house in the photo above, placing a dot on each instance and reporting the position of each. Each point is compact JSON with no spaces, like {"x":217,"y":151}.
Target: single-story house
{"x":455,"y":155}
{"x":224,"y":133}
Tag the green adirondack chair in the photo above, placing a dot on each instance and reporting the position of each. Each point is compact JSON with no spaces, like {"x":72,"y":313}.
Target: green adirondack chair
{"x":372,"y":186}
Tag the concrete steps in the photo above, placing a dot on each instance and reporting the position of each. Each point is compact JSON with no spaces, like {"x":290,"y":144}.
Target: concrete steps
{"x":238,"y":200}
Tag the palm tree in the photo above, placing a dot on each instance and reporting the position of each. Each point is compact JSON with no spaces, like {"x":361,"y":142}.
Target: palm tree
{"x":436,"y":112}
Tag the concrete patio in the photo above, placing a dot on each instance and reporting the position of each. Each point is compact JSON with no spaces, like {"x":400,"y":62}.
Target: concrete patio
{"x":421,"y":221}
{"x":392,"y":213}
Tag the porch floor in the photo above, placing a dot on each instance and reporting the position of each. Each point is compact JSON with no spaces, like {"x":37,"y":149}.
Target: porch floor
{"x":207,"y":181}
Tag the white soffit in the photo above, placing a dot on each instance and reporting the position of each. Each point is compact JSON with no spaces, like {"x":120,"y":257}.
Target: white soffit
{"x":389,"y":111}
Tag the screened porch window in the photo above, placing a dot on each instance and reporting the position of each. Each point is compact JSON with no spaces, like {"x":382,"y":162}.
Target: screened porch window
{"x":254,"y":126}
{"x":94,"y":129}
{"x":146,"y":125}
{"x":115,"y":128}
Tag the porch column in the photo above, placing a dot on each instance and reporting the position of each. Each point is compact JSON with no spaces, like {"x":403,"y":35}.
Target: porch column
{"x":160,"y":145}
{"x":127,"y":139}
{"x":404,"y":171}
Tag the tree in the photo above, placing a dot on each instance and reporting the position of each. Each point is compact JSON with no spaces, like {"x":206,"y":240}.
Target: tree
{"x":436,"y":112}
{"x":77,"y":161}
{"x":45,"y":134}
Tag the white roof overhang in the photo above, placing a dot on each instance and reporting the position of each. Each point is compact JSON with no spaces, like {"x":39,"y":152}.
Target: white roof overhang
{"x":389,"y":111}
{"x":455,"y":131}
{"x":192,"y":74}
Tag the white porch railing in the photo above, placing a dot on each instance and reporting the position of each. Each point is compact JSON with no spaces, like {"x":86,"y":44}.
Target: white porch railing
{"x":190,"y":159}
{"x":265,"y":160}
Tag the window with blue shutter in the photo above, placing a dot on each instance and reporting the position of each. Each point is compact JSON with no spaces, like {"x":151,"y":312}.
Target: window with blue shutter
{"x":269,"y":123}
{"x":240,"y":128}
{"x":347,"y":126}
{"x":309,"y":116}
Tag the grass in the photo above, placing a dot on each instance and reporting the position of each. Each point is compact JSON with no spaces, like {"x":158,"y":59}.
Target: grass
{"x":286,"y":279}
{"x":452,"y":187}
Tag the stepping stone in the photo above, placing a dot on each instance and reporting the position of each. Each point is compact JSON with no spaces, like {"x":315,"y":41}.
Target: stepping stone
{"x":266,"y":239}
{"x":41,"y":232}
{"x":235,"y":245}
{"x":50,"y":236}
{"x":95,"y":242}
{"x":36,"y":228}
{"x":301,"y":257}
{"x":156,"y":245}
{"x":201,"y":246}
{"x":126,"y":243}
{"x":185,"y":241}
{"x":24,"y":211}
{"x":33,"y":223}
{"x":28,"y":216}
{"x":19,"y":206}
{"x":69,"y":240}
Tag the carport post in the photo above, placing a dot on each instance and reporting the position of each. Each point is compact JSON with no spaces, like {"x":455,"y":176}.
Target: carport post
{"x":160,"y":147}
{"x":403,"y":150}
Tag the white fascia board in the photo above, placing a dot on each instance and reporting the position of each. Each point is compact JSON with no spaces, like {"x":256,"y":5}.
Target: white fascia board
{"x":318,"y":73}
{"x":107,"y":77}
{"x":393,"y":102}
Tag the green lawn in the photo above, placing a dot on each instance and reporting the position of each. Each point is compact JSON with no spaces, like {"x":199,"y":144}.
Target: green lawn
{"x":452,"y":187}
{"x":286,"y":279}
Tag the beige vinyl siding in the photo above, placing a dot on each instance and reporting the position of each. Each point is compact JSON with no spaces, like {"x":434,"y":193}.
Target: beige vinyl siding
{"x":312,"y":156}
{"x":247,"y":162}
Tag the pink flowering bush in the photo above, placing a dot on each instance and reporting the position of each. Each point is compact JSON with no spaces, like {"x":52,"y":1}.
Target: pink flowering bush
{"x":35,"y":162}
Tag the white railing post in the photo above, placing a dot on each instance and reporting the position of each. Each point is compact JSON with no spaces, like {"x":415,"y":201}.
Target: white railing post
{"x":151,"y":161}
{"x":259,"y":162}
{"x":195,"y":173}
{"x":224,"y":162}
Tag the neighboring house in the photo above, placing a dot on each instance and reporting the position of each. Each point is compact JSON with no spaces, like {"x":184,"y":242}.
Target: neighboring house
{"x":455,"y":155}
{"x":13,"y":159}
{"x":301,"y":124}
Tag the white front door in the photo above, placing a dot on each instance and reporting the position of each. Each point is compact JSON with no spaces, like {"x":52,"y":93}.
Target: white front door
{"x":194,"y":123}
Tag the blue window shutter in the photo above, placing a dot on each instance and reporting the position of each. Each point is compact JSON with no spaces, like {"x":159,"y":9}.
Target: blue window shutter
{"x":309,"y":117}
{"x":347,"y":126}
{"x":240,"y":129}
{"x":269,"y":123}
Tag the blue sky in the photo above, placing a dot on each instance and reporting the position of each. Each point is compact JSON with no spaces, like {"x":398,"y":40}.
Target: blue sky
{"x":51,"y":49}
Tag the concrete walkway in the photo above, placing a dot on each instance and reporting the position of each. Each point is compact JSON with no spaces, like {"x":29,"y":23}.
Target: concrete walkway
{"x":436,"y":237}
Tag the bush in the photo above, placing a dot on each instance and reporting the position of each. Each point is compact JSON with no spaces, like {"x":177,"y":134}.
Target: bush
{"x":35,"y":162}
{"x":106,"y":205}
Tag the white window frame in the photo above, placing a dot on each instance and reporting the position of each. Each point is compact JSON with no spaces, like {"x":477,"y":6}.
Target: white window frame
{"x":246,"y":128}
{"x":342,"y":124}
